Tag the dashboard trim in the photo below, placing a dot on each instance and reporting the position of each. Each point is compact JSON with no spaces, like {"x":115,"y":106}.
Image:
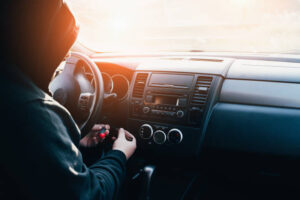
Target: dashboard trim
{"x":265,"y":71}
{"x":261,"y":93}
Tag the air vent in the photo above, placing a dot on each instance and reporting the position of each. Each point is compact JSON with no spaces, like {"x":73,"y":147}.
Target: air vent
{"x":199,"y":98}
{"x":139,"y":85}
{"x":201,"y":91}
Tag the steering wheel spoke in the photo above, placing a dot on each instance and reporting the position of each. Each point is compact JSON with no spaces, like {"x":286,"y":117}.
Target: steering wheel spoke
{"x":85,"y":102}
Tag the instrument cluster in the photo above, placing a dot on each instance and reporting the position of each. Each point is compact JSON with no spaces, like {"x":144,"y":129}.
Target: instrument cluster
{"x":116,"y":84}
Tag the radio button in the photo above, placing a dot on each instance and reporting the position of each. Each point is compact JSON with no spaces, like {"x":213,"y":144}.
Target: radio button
{"x":146,"y":110}
{"x":180,"y":114}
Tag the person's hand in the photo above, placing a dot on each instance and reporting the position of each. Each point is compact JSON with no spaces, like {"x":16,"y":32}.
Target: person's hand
{"x":125,"y":142}
{"x":92,"y":139}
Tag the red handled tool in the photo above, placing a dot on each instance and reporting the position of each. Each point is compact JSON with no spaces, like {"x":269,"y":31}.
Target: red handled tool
{"x":103,"y":133}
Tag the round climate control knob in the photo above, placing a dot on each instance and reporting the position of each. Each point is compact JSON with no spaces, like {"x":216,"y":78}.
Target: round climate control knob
{"x":180,"y":114}
{"x":175,"y":136}
{"x":146,"y":131}
{"x":159,"y":137}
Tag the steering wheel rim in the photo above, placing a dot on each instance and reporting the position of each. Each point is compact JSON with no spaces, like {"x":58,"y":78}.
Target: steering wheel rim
{"x":72,"y":89}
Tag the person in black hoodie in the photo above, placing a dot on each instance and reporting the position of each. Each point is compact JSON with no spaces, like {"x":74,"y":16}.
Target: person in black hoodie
{"x":39,"y":145}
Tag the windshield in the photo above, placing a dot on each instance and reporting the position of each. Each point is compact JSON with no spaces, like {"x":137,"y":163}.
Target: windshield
{"x":186,"y":25}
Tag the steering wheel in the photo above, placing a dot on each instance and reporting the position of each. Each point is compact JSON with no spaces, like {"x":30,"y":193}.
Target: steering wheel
{"x":78,"y":86}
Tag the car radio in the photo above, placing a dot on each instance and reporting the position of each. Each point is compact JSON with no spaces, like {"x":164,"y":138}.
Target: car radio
{"x":162,"y":106}
{"x":172,"y":98}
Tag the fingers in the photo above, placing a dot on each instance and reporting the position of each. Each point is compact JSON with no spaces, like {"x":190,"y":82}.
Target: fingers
{"x":107,"y":127}
{"x":94,"y":137}
{"x":129,"y":136}
{"x":125,"y":134}
{"x":121,"y":133}
{"x":96,"y":140}
{"x":98,"y":127}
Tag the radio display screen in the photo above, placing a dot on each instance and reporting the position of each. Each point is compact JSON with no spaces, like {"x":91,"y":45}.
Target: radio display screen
{"x":165,"y":100}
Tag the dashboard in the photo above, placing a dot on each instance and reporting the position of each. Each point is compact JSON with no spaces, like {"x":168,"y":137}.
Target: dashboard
{"x":182,"y":106}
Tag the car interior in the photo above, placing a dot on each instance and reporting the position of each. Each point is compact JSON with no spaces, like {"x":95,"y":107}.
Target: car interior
{"x":209,"y":124}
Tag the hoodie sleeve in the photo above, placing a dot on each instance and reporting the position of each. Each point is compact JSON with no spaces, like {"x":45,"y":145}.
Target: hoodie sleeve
{"x":42,"y":157}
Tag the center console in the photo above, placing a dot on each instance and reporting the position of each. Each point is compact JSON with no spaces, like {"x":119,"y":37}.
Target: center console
{"x":167,"y":111}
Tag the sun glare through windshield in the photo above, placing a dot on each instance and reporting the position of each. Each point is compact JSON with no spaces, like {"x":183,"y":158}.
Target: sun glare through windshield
{"x":214,"y":25}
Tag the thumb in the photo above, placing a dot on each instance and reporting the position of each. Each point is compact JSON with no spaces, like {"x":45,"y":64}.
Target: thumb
{"x":121,"y":133}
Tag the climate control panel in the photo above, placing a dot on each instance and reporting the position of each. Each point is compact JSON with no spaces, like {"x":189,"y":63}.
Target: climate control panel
{"x":160,"y":135}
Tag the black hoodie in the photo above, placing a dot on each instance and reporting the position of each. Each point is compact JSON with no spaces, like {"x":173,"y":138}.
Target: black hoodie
{"x":39,"y":148}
